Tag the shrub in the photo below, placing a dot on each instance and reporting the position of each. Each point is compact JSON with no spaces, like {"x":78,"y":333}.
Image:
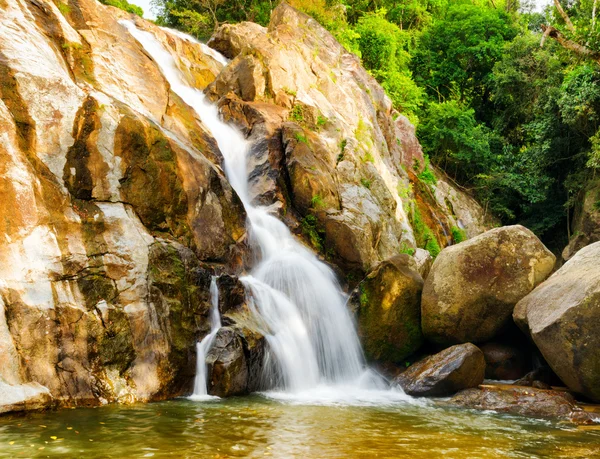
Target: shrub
{"x":125,"y":6}
{"x":458,"y":234}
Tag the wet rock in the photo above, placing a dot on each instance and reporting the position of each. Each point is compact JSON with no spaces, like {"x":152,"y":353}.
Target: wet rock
{"x":459,"y":367}
{"x":504,"y":361}
{"x":524,"y":401}
{"x":562,"y":317}
{"x":24,"y":397}
{"x":227,"y":368}
{"x":235,"y":362}
{"x":389,"y":322}
{"x":473,"y":286}
{"x":232,"y":293}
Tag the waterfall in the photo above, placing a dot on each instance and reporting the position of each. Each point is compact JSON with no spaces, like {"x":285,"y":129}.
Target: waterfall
{"x":309,"y":330}
{"x":202,"y":348}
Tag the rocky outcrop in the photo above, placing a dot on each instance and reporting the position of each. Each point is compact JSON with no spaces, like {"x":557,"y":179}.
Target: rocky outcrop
{"x":113,"y":200}
{"x":585,"y":228}
{"x":456,"y":368}
{"x":562,"y":317}
{"x":389,"y":311}
{"x":348,"y":158}
{"x":473,"y":287}
{"x":524,"y":401}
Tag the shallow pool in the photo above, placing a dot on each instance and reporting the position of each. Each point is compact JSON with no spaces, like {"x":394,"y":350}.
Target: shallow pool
{"x":258,"y":426}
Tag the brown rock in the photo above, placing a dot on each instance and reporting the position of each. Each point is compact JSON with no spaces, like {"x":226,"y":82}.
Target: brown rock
{"x":524,"y":401}
{"x":473,"y":286}
{"x":586,"y":221}
{"x":563,"y":315}
{"x":456,"y":368}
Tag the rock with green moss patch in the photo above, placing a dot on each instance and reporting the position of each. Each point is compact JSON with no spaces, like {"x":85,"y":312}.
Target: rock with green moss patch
{"x":388,"y":310}
{"x":563,"y":318}
{"x":473,"y":286}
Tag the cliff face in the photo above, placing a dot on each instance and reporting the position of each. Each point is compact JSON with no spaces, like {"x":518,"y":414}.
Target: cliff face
{"x":115,"y":211}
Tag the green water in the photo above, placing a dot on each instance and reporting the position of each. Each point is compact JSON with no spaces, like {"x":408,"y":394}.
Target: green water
{"x":258,"y":427}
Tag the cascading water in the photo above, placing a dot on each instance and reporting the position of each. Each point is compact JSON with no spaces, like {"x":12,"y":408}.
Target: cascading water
{"x":202,"y":348}
{"x":307,"y":325}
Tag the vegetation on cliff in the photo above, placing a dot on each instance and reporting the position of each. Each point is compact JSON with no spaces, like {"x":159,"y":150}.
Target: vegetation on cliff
{"x":514,"y":122}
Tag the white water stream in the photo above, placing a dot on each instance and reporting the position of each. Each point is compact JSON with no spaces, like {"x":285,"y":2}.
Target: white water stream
{"x":307,"y":325}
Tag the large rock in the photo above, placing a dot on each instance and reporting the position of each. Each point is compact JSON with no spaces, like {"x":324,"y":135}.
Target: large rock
{"x":459,"y":367}
{"x":563,"y":318}
{"x":473,"y":286}
{"x":389,"y":313}
{"x":524,"y":401}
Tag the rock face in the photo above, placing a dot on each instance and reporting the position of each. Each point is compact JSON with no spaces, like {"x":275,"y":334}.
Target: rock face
{"x":389,"y":311}
{"x":459,"y":367}
{"x":473,"y":287}
{"x":563,"y":315}
{"x":308,"y":105}
{"x":112,"y":199}
{"x":524,"y":401}
{"x":586,"y":221}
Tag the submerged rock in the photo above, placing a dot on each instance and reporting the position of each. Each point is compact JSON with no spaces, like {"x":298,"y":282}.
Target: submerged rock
{"x":563,"y":318}
{"x":473,"y":286}
{"x":389,"y":316}
{"x":524,"y":401}
{"x":456,"y":368}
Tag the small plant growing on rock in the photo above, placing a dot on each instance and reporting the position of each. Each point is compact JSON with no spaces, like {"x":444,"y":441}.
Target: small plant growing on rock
{"x":458,"y":234}
{"x":405,"y":248}
{"x":427,"y":176}
{"x":290,"y":92}
{"x":365,"y":182}
{"x":322,"y":121}
{"x":301,"y":138}
{"x":311,"y":230}
{"x":297,"y":113}
{"x":317,"y":202}
{"x":63,"y":8}
{"x":367,"y":157}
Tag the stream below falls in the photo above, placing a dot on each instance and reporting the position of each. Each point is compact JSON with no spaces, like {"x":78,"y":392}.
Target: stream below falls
{"x":257,"y":426}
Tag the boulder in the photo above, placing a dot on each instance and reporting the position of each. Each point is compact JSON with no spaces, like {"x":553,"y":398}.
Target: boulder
{"x":389,"y":315}
{"x":235,"y":361}
{"x":459,"y":367}
{"x":504,"y":361}
{"x":32,"y":396}
{"x":473,"y":286}
{"x":563,"y":318}
{"x":525,"y":401}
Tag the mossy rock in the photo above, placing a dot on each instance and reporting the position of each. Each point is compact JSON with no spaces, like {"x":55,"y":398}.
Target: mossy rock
{"x":389,"y":310}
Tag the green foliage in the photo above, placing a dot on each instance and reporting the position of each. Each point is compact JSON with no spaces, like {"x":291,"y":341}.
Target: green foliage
{"x":322,"y":121}
{"x":297,"y":113}
{"x":301,"y":138}
{"x":405,"y":248}
{"x":424,"y":235}
{"x":456,"y":55}
{"x":63,"y":8}
{"x":125,"y":6}
{"x":317,"y":202}
{"x":310,"y":228}
{"x":458,"y":234}
{"x":365,"y":182}
{"x":426,"y":175}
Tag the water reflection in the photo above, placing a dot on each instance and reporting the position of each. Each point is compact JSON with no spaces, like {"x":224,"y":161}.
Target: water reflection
{"x":259,"y":427}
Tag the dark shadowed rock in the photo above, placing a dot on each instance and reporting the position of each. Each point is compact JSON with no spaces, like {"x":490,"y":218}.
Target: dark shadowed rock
{"x":389,"y":316}
{"x":473,"y":286}
{"x":504,"y":361}
{"x":563,"y":318}
{"x":525,"y":401}
{"x":456,"y":368}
